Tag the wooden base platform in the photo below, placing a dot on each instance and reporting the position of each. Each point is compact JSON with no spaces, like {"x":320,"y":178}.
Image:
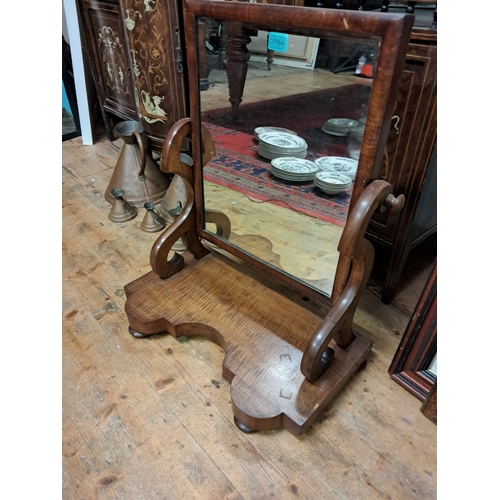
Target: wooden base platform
{"x":263,"y":332}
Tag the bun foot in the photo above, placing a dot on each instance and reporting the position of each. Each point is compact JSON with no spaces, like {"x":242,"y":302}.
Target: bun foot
{"x":135,"y":334}
{"x":243,"y":427}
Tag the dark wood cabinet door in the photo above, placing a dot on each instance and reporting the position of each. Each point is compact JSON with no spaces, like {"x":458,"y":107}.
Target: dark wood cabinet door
{"x":410,"y":159}
{"x":110,"y":57}
{"x":412,"y":136}
{"x":154,"y":34}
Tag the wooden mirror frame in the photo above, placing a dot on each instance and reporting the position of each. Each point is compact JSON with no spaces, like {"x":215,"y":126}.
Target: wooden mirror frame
{"x":394,"y":33}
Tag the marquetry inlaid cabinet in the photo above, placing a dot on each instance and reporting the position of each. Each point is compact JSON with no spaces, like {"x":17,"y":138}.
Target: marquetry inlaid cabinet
{"x":137,"y":58}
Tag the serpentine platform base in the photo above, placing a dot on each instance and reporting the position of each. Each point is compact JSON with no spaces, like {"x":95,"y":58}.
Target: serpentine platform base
{"x":263,"y":332}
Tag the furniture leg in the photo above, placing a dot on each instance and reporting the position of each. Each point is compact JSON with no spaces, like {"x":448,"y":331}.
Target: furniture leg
{"x":108,"y":125}
{"x":222,"y":46}
{"x":270,"y":59}
{"x":237,"y":63}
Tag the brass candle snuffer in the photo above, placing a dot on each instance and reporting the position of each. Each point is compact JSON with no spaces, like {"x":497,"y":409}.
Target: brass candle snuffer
{"x":121,"y":210}
{"x":152,"y":221}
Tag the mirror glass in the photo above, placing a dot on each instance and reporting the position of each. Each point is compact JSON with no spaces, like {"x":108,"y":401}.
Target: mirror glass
{"x":286,"y":157}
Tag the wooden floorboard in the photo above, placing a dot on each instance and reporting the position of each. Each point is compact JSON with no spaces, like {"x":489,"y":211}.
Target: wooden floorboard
{"x":152,"y":418}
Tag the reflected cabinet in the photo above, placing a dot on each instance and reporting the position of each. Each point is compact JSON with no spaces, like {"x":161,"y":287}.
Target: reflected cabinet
{"x":273,"y":215}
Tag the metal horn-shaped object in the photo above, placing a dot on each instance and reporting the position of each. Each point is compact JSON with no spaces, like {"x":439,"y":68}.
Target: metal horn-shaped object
{"x":152,"y":222}
{"x":121,"y":210}
{"x":136,"y":173}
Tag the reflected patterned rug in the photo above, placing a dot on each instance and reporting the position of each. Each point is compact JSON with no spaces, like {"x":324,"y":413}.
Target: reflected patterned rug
{"x":239,"y":166}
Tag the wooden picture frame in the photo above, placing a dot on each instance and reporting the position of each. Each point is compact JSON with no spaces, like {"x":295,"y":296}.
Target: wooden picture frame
{"x":418,"y":347}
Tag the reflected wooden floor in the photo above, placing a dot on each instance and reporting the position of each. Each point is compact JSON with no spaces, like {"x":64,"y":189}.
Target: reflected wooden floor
{"x":287,"y":236}
{"x":152,"y":419}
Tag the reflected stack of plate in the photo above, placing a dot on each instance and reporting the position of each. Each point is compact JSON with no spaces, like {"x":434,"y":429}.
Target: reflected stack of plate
{"x":293,"y":169}
{"x":339,"y":126}
{"x":280,"y":144}
{"x":338,"y":165}
{"x":331,"y":183}
{"x":261,"y":130}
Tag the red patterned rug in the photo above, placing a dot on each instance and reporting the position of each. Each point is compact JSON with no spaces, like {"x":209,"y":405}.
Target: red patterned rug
{"x":239,"y":166}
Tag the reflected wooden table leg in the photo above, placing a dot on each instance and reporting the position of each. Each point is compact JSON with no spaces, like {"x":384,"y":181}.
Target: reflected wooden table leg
{"x":237,"y":57}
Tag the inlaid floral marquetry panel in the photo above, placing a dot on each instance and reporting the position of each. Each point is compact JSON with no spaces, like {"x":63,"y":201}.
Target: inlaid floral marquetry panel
{"x":155,"y":48}
{"x":112,"y":66}
{"x":114,"y":59}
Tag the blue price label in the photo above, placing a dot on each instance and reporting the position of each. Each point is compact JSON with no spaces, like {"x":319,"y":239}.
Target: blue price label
{"x":277,"y":41}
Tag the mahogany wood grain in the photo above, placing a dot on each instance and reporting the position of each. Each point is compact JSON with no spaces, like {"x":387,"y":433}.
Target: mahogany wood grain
{"x":263,"y":334}
{"x":184,"y":225}
{"x":280,"y":374}
{"x":378,"y":193}
{"x":154,"y":34}
{"x":237,"y":55}
{"x":221,"y":221}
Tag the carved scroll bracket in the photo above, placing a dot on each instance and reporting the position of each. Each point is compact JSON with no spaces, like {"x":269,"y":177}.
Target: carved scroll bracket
{"x":353,"y":270}
{"x":184,"y":226}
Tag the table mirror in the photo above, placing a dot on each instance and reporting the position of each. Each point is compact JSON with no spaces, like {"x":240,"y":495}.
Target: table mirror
{"x":259,"y":269}
{"x":275,"y":203}
{"x":280,"y":126}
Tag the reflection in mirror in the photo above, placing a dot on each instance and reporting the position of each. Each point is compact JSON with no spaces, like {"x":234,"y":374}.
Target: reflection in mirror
{"x":433,"y":368}
{"x":286,"y":157}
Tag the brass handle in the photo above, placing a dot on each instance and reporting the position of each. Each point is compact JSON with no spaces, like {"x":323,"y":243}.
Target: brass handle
{"x":175,"y":212}
{"x":397,"y":122}
{"x":142,"y":153}
{"x":150,"y":207}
